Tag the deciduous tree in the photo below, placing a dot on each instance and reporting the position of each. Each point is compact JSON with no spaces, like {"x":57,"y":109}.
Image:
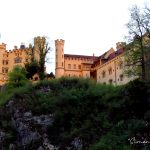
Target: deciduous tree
{"x":136,"y":51}
{"x":37,"y":54}
{"x":17,"y":77}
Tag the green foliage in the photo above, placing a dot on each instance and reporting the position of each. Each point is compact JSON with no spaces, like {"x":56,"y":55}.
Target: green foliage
{"x":50,"y":76}
{"x":42,"y":48}
{"x":132,"y":59}
{"x":17,"y":77}
{"x":136,"y":61}
{"x":31,"y":68}
{"x":37,"y":57}
{"x":102,"y":116}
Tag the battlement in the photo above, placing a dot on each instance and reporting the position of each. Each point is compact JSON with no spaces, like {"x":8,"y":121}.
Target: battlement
{"x":39,"y":39}
{"x":17,"y":50}
{"x":3,"y":46}
{"x":59,"y":41}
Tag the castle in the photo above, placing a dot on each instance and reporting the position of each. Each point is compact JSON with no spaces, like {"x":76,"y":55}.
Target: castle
{"x":106,"y":69}
{"x":18,"y":56}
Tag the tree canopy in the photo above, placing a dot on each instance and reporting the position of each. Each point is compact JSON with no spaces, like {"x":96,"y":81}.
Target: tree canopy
{"x":139,"y":47}
{"x":17,"y":77}
{"x":37,"y":54}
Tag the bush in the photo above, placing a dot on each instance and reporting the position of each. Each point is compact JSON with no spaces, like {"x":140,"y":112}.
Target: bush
{"x":17,"y":77}
{"x":102,"y":116}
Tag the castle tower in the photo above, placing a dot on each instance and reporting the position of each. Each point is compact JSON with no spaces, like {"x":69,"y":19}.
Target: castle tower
{"x":59,"y":58}
{"x":2,"y":48}
{"x":39,"y":43}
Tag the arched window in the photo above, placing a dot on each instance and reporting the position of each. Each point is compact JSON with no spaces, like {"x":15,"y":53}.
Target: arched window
{"x":110,"y":70}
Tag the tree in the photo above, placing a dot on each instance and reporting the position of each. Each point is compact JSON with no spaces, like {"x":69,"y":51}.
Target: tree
{"x":146,"y":24}
{"x":42,"y":48}
{"x":50,"y":76}
{"x":17,"y":77}
{"x":37,"y":54}
{"x":135,"y":51}
{"x":31,"y":68}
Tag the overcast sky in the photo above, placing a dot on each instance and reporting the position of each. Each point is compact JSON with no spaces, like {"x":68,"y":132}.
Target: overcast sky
{"x":87,"y":26}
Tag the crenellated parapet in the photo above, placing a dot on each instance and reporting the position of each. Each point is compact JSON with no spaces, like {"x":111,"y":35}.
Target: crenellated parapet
{"x":59,"y":42}
{"x":39,"y":42}
{"x":3,"y":46}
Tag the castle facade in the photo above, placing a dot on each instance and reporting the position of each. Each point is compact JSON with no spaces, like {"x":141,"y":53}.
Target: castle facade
{"x":106,"y":69}
{"x":9,"y":59}
{"x":16,"y":57}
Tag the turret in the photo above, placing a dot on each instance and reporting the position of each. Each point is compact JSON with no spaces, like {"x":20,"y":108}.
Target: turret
{"x":2,"y":48}
{"x":59,"y":58}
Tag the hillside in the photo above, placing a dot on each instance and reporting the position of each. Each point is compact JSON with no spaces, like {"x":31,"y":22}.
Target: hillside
{"x":74,"y":114}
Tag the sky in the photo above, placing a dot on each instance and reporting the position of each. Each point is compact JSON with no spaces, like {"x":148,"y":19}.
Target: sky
{"x":87,"y":26}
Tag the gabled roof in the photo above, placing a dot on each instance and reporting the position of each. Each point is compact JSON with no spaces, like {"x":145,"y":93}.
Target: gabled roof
{"x":115,"y":54}
{"x":110,"y":57}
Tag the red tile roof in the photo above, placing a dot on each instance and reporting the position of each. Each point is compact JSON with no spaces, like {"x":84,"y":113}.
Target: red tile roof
{"x":97,"y":59}
{"x":111,"y":56}
{"x":81,"y":56}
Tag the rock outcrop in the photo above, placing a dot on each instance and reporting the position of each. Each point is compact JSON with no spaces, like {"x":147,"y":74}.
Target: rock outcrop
{"x":29,"y":128}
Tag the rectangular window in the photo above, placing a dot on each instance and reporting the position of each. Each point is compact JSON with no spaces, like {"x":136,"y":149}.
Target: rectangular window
{"x":5,"y":62}
{"x":103,"y":74}
{"x":110,"y":71}
{"x":69,"y":66}
{"x":79,"y":66}
{"x":74,"y":66}
{"x":18,"y":60}
{"x":121,"y":77}
{"x":4,"y":70}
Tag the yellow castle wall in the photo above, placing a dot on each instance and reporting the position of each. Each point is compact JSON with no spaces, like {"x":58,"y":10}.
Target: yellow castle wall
{"x":80,"y":66}
{"x":9,"y":59}
{"x":77,"y":66}
{"x":17,"y":56}
{"x":114,"y":72}
{"x":59,"y":57}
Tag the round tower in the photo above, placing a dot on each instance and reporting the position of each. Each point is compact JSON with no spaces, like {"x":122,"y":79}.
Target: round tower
{"x":59,"y":58}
